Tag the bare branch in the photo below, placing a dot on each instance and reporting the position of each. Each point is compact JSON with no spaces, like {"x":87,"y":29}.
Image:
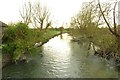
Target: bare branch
{"x":114,"y":18}
{"x":25,"y":13}
{"x":36,"y":14}
{"x":41,"y":15}
{"x":105,"y":18}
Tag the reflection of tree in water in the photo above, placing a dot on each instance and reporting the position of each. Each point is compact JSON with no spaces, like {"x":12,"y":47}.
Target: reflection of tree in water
{"x":61,"y":31}
{"x":61,"y":37}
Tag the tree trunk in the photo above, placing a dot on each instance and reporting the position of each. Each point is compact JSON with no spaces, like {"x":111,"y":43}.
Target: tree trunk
{"x":118,"y":48}
{"x":118,"y":38}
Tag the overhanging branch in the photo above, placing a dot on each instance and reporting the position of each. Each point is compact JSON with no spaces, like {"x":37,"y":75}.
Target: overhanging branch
{"x":105,"y":18}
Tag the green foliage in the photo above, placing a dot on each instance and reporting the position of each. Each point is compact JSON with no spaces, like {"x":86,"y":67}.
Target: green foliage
{"x":18,"y":31}
{"x":16,"y":40}
{"x":9,"y":35}
{"x":99,"y":36}
{"x":21,"y":31}
{"x":104,"y":39}
{"x":19,"y":40}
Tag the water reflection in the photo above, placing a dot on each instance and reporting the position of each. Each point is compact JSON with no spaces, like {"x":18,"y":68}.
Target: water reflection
{"x":69,"y":60}
{"x":63,"y":59}
{"x":58,"y":53}
{"x":61,"y":37}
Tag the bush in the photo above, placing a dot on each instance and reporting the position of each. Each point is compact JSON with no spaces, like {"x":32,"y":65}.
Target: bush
{"x":19,"y":40}
{"x":16,"y":41}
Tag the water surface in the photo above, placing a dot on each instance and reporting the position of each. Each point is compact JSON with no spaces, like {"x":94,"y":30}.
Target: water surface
{"x":63,"y":59}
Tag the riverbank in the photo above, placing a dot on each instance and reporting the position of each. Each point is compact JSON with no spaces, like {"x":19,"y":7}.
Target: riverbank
{"x":101,"y":40}
{"x":45,"y":36}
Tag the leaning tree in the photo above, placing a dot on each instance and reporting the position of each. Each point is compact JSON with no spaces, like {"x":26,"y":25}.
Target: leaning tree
{"x":114,"y":29}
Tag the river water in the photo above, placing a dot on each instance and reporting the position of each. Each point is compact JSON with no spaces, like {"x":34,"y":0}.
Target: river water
{"x":63,"y":59}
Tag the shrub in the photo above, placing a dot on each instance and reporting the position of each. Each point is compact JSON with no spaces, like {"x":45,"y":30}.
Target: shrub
{"x":16,"y":40}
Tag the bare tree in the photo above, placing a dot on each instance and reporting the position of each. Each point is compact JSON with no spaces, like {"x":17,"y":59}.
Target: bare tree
{"x":41,"y":16}
{"x":36,"y":14}
{"x":114,"y":32}
{"x":114,"y":28}
{"x":90,"y":14}
{"x":26,"y":12}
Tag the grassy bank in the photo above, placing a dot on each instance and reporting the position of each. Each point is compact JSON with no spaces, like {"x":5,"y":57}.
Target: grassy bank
{"x":100,"y":37}
{"x":19,"y":42}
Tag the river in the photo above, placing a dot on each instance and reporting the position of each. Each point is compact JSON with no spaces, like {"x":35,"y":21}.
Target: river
{"x":63,"y":59}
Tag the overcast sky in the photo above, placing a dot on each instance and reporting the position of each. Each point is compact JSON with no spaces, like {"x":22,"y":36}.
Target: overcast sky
{"x":61,"y":10}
